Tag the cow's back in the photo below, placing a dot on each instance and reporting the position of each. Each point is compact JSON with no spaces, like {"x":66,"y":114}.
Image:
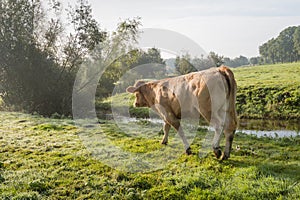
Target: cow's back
{"x":189,"y":95}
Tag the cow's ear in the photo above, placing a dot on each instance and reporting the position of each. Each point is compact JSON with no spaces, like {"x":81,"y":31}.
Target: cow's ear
{"x":131,"y":89}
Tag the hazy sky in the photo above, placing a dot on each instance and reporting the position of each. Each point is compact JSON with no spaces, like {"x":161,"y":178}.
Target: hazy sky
{"x":228,"y":27}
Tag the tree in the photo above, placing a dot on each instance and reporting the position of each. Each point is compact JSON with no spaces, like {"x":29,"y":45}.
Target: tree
{"x":241,"y":60}
{"x":183,"y":64}
{"x":120,"y":45}
{"x":202,"y":63}
{"x":37,"y":66}
{"x":217,"y":59}
{"x":147,"y":65}
{"x":254,"y":60}
{"x":296,"y":40}
{"x":283,"y":48}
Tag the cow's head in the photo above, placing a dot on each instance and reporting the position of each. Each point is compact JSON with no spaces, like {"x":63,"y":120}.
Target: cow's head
{"x":137,"y":89}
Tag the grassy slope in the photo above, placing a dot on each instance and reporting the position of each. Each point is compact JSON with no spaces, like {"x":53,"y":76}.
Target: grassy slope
{"x":269,"y":91}
{"x":45,"y":159}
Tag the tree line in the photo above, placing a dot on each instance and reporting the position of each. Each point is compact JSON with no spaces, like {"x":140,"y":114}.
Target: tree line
{"x":284,"y":48}
{"x":185,"y":63}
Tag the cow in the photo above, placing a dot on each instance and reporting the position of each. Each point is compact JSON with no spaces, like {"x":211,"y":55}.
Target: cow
{"x":210,"y":93}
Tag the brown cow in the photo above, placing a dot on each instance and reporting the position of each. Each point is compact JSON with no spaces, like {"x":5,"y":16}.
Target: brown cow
{"x":210,"y":93}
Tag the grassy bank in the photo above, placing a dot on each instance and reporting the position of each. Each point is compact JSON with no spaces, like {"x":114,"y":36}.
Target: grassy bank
{"x":45,"y":159}
{"x":269,"y":91}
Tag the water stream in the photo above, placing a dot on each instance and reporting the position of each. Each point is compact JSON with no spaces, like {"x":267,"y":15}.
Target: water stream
{"x":269,"y":128}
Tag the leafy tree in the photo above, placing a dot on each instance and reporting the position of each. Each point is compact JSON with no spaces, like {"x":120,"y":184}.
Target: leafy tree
{"x":146,"y":65}
{"x":202,"y":63}
{"x":296,"y":40}
{"x":117,"y":45}
{"x":38,"y":64}
{"x":236,"y":62}
{"x":254,"y":60}
{"x":283,"y":48}
{"x":183,"y":64}
{"x":217,"y":59}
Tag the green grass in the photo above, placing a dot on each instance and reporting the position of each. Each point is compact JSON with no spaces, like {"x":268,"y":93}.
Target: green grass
{"x":277,"y":75}
{"x":43,"y":158}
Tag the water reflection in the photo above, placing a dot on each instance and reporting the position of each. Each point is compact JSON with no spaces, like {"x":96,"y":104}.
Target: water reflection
{"x":269,"y":125}
{"x":270,"y":128}
{"x":261,"y":128}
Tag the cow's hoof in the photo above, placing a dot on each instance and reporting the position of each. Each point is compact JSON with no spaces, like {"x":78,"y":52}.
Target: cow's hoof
{"x":188,"y":151}
{"x":225,"y":157}
{"x":218,"y":152}
{"x":164,"y":142}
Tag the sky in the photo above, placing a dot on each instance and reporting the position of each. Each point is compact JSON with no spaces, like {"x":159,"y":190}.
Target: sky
{"x":228,"y":27}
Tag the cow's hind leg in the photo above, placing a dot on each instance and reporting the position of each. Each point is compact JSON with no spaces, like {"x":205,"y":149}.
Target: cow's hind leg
{"x":228,"y":146}
{"x":229,"y":131}
{"x":166,"y":130}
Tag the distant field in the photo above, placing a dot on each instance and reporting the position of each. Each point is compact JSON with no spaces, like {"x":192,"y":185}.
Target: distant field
{"x":277,"y":75}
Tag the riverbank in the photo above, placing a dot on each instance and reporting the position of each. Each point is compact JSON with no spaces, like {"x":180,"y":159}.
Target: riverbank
{"x":268,"y":91}
{"x":44,"y":158}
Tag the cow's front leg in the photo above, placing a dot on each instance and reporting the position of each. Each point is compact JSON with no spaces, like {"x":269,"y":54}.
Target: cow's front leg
{"x":166,"y":130}
{"x":182,"y":136}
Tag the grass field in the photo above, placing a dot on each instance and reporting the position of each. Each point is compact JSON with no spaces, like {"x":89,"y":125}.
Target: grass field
{"x":44,"y":158}
{"x":269,"y":91}
{"x":277,"y":75}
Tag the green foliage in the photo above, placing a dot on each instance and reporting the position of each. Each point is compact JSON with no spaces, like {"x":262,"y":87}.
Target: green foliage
{"x":217,"y":59}
{"x":39,"y":60}
{"x":239,"y":61}
{"x":284,"y":48}
{"x":186,"y":64}
{"x":147,"y":64}
{"x":183,"y":64}
{"x":54,"y":164}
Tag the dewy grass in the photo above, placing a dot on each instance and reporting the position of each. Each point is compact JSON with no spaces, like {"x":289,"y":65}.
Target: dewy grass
{"x":44,"y":158}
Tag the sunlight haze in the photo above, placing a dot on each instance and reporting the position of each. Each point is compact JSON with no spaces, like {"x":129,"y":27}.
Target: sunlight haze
{"x":230,"y":28}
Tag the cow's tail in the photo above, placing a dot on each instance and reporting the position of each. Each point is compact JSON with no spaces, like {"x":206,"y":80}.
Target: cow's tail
{"x":232,"y":88}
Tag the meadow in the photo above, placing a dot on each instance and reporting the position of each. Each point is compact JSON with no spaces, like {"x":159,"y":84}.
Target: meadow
{"x":269,"y":91}
{"x":49,"y":158}
{"x":43,"y":158}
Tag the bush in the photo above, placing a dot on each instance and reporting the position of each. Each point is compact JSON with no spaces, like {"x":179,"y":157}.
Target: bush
{"x":37,"y":70}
